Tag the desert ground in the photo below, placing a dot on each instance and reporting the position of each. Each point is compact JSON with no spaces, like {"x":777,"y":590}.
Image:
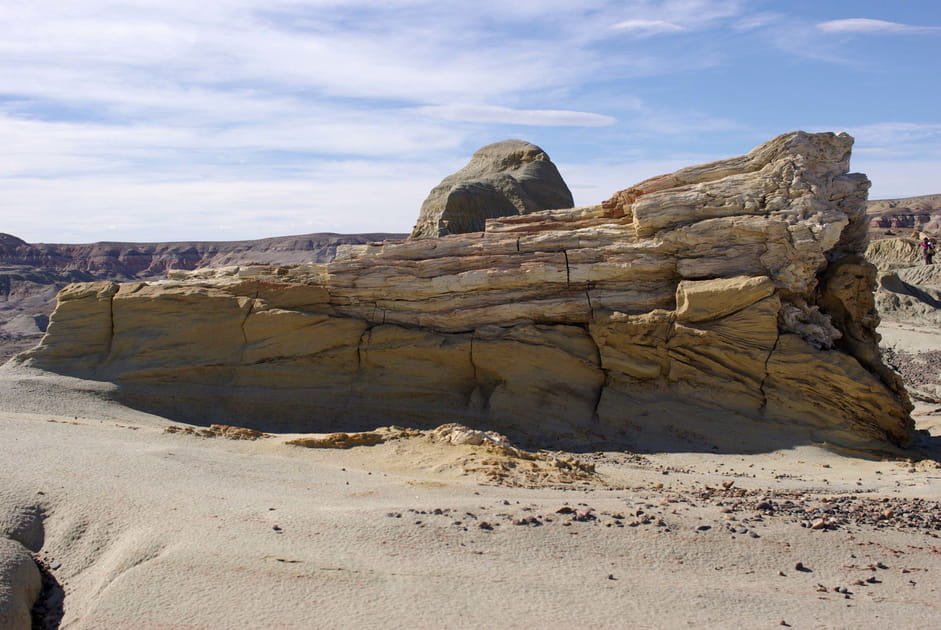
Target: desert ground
{"x":141,"y":522}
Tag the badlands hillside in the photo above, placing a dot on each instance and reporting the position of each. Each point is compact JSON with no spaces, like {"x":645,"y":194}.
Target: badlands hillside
{"x":903,"y":217}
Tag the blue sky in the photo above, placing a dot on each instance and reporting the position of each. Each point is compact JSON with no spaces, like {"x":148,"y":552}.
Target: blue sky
{"x":144,"y":120}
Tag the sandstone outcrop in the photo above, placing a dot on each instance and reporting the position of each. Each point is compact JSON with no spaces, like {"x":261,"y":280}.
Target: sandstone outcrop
{"x":502,"y":179}
{"x":32,"y":274}
{"x":19,"y":585}
{"x":727,"y":304}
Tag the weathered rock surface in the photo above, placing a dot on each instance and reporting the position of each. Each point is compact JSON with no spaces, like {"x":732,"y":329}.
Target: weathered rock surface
{"x":502,"y":179}
{"x":724,"y":300}
{"x":19,"y":585}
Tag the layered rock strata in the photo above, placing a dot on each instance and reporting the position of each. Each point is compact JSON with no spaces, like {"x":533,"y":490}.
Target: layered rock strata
{"x":890,"y":217}
{"x":721,"y":301}
{"x":502,"y":179}
{"x":123,"y":261}
{"x":32,"y":274}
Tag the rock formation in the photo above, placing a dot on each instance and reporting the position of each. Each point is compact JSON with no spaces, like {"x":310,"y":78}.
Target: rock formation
{"x":721,"y":301}
{"x":21,"y":532}
{"x":32,"y":274}
{"x":502,"y":179}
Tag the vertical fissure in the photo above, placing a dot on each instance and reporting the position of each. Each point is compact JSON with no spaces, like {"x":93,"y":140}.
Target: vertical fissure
{"x":764,"y":379}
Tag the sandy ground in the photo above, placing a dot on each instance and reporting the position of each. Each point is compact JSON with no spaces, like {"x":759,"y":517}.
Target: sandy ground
{"x":137,"y":527}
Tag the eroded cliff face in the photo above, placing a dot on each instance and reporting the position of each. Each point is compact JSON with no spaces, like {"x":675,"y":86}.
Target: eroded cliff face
{"x":722,"y":301}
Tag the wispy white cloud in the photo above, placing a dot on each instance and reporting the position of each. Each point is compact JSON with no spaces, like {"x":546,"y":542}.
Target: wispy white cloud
{"x":894,"y":178}
{"x":648,"y":27}
{"x":899,"y":138}
{"x":755,"y":21}
{"x":677,"y":123}
{"x":281,"y":113}
{"x":592,"y":182}
{"x":506,"y":115}
{"x":875,"y":27}
{"x":332,"y":197}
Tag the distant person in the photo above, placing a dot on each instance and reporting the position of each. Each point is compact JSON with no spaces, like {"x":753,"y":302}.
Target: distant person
{"x":928,"y":250}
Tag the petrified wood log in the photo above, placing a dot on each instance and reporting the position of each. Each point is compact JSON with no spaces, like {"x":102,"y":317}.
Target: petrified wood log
{"x":726,"y":304}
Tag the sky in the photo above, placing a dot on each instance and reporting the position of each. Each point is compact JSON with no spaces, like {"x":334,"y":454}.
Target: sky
{"x":159,"y":120}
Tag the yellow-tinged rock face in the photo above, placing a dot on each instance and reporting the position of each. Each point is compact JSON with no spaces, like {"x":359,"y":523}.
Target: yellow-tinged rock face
{"x":703,"y":300}
{"x":713,"y":303}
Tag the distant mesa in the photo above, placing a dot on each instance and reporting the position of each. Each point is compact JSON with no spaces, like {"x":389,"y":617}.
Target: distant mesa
{"x":902,"y":217}
{"x":8,"y":241}
{"x":506,"y":178}
{"x":125,"y":261}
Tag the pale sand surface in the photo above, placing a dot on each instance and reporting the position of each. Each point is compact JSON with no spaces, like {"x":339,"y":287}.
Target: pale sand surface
{"x":147,"y":529}
{"x":903,"y":336}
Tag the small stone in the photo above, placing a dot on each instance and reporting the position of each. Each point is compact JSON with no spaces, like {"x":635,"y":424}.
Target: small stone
{"x":584,"y":515}
{"x":484,"y":525}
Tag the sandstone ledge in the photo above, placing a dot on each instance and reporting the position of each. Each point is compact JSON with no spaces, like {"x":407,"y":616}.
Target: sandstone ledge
{"x":714,"y":300}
